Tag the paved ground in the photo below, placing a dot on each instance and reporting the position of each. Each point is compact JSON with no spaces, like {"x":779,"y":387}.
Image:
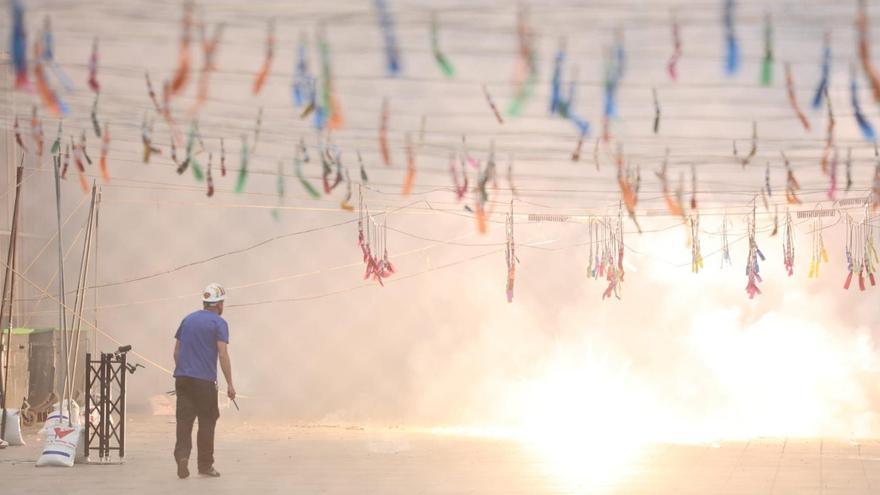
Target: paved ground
{"x":271,"y":458}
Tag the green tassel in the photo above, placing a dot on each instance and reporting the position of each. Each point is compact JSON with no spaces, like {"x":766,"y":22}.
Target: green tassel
{"x":242,"y":171}
{"x":445,"y":65}
{"x":767,"y":70}
{"x":297,"y":169}
{"x":56,"y":146}
{"x":767,"y":65}
{"x":522,"y":95}
{"x":197,"y":170}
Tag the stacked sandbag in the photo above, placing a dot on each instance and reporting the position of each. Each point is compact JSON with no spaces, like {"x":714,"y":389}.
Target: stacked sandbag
{"x":61,"y":446}
{"x":13,"y":428}
{"x":59,"y":417}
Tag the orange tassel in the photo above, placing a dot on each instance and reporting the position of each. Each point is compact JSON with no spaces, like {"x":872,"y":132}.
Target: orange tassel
{"x":792,"y":99}
{"x":336,"y":121}
{"x":865,"y":51}
{"x":482,"y":226}
{"x":182,"y":74}
{"x":267,"y":63}
{"x":105,"y":145}
{"x":383,"y":134}
{"x":83,"y":182}
{"x":410,"y":179}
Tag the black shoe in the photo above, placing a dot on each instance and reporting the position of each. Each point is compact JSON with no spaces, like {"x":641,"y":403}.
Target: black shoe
{"x":182,"y":468}
{"x":210,"y":472}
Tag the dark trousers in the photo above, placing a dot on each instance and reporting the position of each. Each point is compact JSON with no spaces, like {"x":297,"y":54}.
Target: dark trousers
{"x":196,"y":399}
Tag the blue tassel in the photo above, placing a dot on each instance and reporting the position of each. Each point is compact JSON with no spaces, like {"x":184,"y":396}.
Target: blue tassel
{"x":864,"y":125}
{"x":610,"y":94}
{"x":732,"y":62}
{"x":301,"y":83}
{"x":392,"y":51}
{"x":582,"y":125}
{"x":19,"y":40}
{"x":320,"y":118}
{"x":823,"y":82}
{"x":556,"y":83}
{"x":732,"y":65}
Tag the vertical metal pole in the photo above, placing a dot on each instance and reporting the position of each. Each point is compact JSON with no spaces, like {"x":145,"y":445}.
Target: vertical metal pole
{"x":62,"y":314}
{"x":123,"y":372}
{"x":88,"y":387}
{"x":7,"y":283}
{"x":105,"y":365}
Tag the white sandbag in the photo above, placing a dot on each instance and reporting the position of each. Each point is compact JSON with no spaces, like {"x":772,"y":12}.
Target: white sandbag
{"x":74,"y":411}
{"x":60,"y":447}
{"x":13,"y":427}
{"x":55,"y":418}
{"x":58,"y":417}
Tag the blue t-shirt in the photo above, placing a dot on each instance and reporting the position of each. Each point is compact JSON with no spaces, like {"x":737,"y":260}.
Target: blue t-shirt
{"x":198,"y":335}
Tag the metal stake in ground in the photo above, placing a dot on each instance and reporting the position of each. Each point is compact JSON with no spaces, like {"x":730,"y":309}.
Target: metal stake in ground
{"x":7,"y":284}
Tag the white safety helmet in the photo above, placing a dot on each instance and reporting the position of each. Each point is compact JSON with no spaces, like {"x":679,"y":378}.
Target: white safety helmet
{"x":213,"y":293}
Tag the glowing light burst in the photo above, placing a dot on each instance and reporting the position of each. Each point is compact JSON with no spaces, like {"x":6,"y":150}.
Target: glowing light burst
{"x":589,"y":422}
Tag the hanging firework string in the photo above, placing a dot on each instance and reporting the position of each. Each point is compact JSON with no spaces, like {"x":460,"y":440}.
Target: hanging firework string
{"x":752,"y":151}
{"x":832,"y":177}
{"x":209,"y":178}
{"x":872,"y":260}
{"x":861,"y":254}
{"x":875,"y":187}
{"x":510,"y":185}
{"x":849,"y":180}
{"x":775,"y":221}
{"x":672,"y":64}
{"x":606,"y":252}
{"x":147,"y":139}
{"x":629,"y":182}
{"x":673,"y":200}
{"x":512,"y":260}
{"x":37,"y":134}
{"x":459,"y":186}
{"x":94,"y":116}
{"x":820,"y":255}
{"x":345,"y":204}
{"x":372,"y":239}
{"x":18,"y":138}
{"x":829,"y":139}
{"x":696,"y":253}
{"x":766,"y":191}
{"x":725,"y":244}
{"x":279,"y":190}
{"x":66,"y":161}
{"x":791,"y":183}
{"x":788,"y":245}
{"x":614,"y":258}
{"x":755,"y":254}
{"x":853,"y":254}
{"x":364,"y":178}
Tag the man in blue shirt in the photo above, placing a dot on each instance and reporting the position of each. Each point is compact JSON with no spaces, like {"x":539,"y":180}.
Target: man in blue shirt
{"x":201,"y":339}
